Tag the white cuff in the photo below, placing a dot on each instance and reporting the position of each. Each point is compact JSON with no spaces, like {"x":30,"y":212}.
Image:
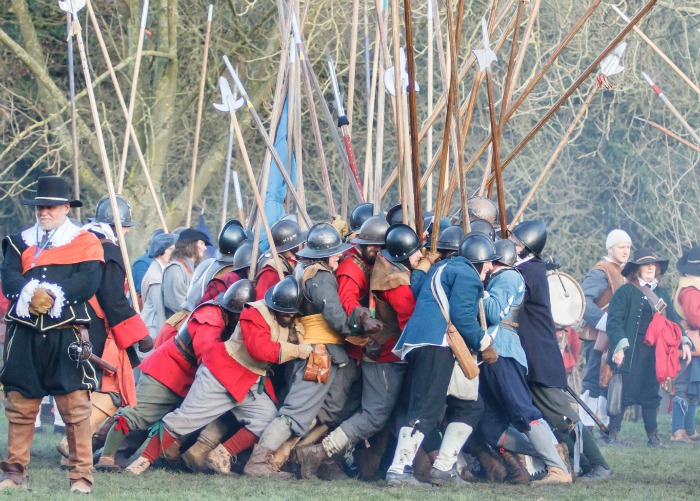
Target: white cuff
{"x":25,"y":298}
{"x":59,"y":299}
{"x":486,"y":341}
{"x":601,"y":325}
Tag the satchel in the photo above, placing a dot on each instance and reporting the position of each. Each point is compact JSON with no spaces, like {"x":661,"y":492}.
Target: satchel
{"x":461,"y":387}
{"x":606,"y":371}
{"x":318,"y":366}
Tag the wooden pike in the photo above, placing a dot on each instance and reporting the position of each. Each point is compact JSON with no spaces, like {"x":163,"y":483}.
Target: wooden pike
{"x":656,"y":49}
{"x":122,"y":103}
{"x":239,"y":198}
{"x":672,"y":108}
{"x":452,"y":101}
{"x":368,"y":183}
{"x":413,"y":111}
{"x":670,"y":133}
{"x":429,"y":141}
{"x":76,"y":31}
{"x":586,"y":73}
{"x":132,"y":97}
{"x":73,"y":116}
{"x":266,"y":138}
{"x":198,"y":122}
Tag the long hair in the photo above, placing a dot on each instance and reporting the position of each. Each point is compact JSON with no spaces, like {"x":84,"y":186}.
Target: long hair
{"x":185,"y":250}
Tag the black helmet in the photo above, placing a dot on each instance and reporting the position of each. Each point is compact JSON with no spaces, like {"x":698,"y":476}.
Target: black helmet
{"x":477,"y":248}
{"x":505,"y":250}
{"x":401,"y":241}
{"x":285,"y":297}
{"x":532,"y":234}
{"x":484,"y":227}
{"x":372,"y":232}
{"x":287,"y":235}
{"x":103,"y":211}
{"x":395,"y":215}
{"x":240,"y":293}
{"x":322,"y":241}
{"x":450,"y":238}
{"x":241,"y":259}
{"x":482,"y":208}
{"x":429,"y":224}
{"x":230,"y":237}
{"x":359,"y":215}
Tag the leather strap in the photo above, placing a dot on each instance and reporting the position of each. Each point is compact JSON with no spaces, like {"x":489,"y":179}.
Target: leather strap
{"x":657,"y":304}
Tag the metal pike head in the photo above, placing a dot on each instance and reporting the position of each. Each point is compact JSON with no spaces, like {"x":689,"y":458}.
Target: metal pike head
{"x":485,"y":56}
{"x":72,"y":6}
{"x":390,"y":75}
{"x":611,"y":64}
{"x":229,"y":102}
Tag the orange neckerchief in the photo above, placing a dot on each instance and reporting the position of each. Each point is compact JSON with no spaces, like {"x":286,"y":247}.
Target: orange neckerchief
{"x":84,"y":247}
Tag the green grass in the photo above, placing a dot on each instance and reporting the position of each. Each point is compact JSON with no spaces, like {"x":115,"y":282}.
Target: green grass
{"x":641,"y":473}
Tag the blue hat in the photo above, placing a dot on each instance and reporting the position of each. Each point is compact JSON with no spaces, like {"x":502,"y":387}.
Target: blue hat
{"x":160,"y":243}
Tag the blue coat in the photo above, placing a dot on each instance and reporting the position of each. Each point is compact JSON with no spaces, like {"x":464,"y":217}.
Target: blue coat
{"x":427,"y":326}
{"x":536,"y":328}
{"x":506,"y":290}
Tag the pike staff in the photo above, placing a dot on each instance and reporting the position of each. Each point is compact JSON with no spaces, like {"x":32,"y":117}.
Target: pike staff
{"x":73,"y":6}
{"x":132,"y":97}
{"x":198,"y":122}
{"x":672,"y":108}
{"x":73,"y":115}
{"x":271,"y":147}
{"x":609,"y":67}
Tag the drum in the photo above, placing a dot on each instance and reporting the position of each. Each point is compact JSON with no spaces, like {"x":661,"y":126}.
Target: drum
{"x":567,"y":299}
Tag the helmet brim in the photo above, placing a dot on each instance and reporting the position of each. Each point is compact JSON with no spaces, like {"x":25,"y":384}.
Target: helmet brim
{"x":301,"y":238}
{"x":308,"y":253}
{"x":270,"y":304}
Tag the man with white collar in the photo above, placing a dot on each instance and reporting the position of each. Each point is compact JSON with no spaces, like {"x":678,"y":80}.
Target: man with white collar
{"x":49,"y":272}
{"x":598,"y":286}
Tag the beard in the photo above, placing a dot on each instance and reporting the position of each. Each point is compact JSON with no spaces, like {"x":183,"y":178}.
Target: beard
{"x":368,"y":255}
{"x":284,"y":321}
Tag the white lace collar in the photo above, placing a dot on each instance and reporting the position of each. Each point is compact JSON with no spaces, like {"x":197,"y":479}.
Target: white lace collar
{"x":63,"y":235}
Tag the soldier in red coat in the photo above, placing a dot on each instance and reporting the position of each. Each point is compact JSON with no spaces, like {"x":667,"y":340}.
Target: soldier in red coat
{"x":168,"y":372}
{"x":288,"y":239}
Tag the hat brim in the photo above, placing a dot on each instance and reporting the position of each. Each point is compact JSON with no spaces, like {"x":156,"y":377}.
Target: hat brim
{"x":308,"y":253}
{"x":224,"y":258}
{"x":404,"y":257}
{"x":364,"y":241}
{"x":50,"y":203}
{"x":271,"y":305}
{"x":633,"y":265}
{"x":686,"y":268}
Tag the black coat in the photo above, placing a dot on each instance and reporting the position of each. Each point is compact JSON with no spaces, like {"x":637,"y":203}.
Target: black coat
{"x":536,"y":328}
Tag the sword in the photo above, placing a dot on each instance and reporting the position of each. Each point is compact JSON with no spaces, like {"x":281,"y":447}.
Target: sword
{"x":588,"y":410}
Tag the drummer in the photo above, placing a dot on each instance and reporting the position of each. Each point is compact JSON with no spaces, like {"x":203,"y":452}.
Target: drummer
{"x":546,"y":373}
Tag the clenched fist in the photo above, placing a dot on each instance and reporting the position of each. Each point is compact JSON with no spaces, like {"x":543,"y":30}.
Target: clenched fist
{"x":305,"y":350}
{"x":489,"y":355}
{"x":41,"y":302}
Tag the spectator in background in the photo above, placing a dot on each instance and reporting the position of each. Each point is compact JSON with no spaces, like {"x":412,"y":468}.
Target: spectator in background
{"x":153,"y":311}
{"x":140,"y":266}
{"x":686,"y":302}
{"x":188,"y":253}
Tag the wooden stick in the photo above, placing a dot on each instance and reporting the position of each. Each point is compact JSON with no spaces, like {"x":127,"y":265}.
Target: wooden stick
{"x":557,"y":151}
{"x":496,"y":152}
{"x":239,"y":198}
{"x":122,"y":103}
{"x":73,"y":116}
{"x":227,"y":173}
{"x":198,"y":122}
{"x":413,"y":109}
{"x":534,"y":10}
{"x":132,"y":97}
{"x":77,"y":32}
{"x":353,"y":62}
{"x":258,"y":199}
{"x":656,"y":49}
{"x":671,"y":134}
{"x":672,"y":108}
{"x":586,"y":73}
{"x":452,"y":100}
{"x":379,"y":151}
{"x":368,"y":184}
{"x":429,"y":141}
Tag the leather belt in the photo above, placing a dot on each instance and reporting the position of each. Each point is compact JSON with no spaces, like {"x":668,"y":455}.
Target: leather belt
{"x":183,"y":343}
{"x":513,"y":325}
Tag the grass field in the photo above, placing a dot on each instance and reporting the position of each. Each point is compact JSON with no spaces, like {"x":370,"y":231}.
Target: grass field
{"x":641,"y":473}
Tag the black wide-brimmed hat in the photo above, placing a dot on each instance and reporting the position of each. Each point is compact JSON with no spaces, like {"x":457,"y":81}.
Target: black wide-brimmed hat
{"x":645,"y":255}
{"x":689,"y":263}
{"x":51,"y":191}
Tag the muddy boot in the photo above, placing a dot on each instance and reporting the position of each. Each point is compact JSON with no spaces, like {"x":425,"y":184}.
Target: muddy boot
{"x":75,"y":408}
{"x":100,"y":436}
{"x":554,"y":476}
{"x":21,"y":413}
{"x":400,"y":473}
{"x":333,"y":470}
{"x":219,"y":460}
{"x":226,"y":454}
{"x":444,"y":470}
{"x":490,"y":462}
{"x":515,"y":469}
{"x":196,"y":456}
{"x":654,"y":441}
{"x":310,"y":458}
{"x":260,"y":466}
{"x":14,"y":476}
{"x":563,"y":452}
{"x":422,"y":464}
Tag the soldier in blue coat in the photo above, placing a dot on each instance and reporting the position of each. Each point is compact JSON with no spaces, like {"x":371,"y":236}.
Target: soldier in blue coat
{"x":450,"y":290}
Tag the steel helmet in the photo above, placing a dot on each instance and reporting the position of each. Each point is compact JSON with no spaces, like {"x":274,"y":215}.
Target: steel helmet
{"x":505,"y":249}
{"x":230,"y":237}
{"x":236,"y":296}
{"x":477,"y":248}
{"x":372,"y":232}
{"x":285,"y":296}
{"x":359,"y":215}
{"x":287,"y":235}
{"x":241,"y":259}
{"x":532,"y":234}
{"x":401,"y":241}
{"x":484,"y":227}
{"x":450,"y":238}
{"x":395,"y":215}
{"x":322,"y":241}
{"x":103,"y":211}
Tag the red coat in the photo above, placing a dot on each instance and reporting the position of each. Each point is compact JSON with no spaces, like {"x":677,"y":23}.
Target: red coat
{"x":665,"y":336}
{"x":689,"y":299}
{"x":353,"y":284}
{"x":402,"y":301}
{"x":237,"y":379}
{"x":169,"y":367}
{"x":218,"y":286}
{"x":268,"y":277}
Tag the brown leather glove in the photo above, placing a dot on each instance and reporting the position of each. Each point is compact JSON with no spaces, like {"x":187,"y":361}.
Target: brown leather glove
{"x":489,"y":355}
{"x":41,"y":302}
{"x":363,"y":318}
{"x":145,"y":344}
{"x":305,"y":350}
{"x":341,"y":225}
{"x":373,"y":349}
{"x":429,"y":259}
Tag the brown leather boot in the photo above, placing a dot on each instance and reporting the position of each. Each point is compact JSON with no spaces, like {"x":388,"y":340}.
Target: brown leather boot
{"x":554,"y":476}
{"x":563,"y":451}
{"x":21,"y":413}
{"x":310,"y":457}
{"x":75,"y":408}
{"x":196,"y":456}
{"x":99,"y":437}
{"x":422,"y":464}
{"x":259,"y":465}
{"x":490,"y":462}
{"x":516,"y":471}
